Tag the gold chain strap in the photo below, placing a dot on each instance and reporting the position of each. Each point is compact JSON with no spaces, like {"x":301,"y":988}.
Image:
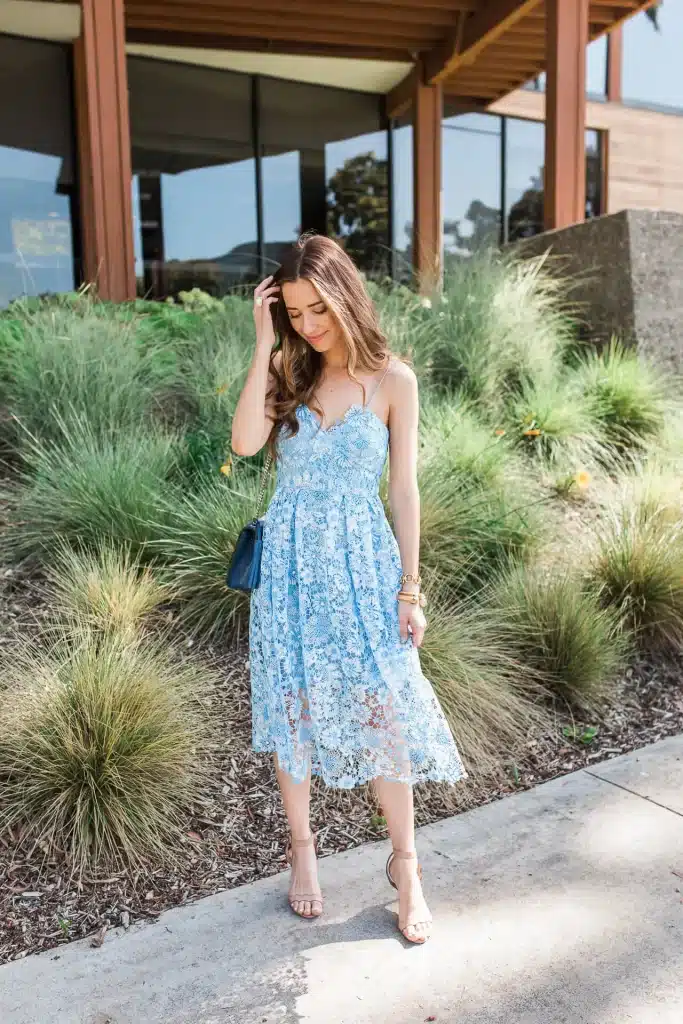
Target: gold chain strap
{"x":264,"y":483}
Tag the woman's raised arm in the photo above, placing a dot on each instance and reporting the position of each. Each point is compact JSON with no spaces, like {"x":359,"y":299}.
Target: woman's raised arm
{"x":252,"y":423}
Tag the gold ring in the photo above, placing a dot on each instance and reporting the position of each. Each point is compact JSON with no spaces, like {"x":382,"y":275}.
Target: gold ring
{"x":259,"y":300}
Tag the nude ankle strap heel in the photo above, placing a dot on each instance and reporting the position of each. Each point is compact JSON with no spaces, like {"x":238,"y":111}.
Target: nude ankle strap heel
{"x":401,"y":855}
{"x":304,"y":897}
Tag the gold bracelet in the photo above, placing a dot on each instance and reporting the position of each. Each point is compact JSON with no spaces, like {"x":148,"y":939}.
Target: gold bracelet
{"x":409,"y":577}
{"x":412,"y":598}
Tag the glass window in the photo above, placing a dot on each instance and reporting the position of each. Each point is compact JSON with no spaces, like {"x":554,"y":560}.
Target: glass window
{"x":471,"y":182}
{"x":193,"y":158}
{"x":37,"y":181}
{"x":594,"y":174}
{"x":596,"y":71}
{"x":325,"y":169}
{"x":653,"y":68}
{"x":596,"y":68}
{"x":524,"y":161}
{"x":402,"y":197}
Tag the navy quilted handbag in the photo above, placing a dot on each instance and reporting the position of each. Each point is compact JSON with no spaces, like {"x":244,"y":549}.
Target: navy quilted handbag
{"x":244,"y":572}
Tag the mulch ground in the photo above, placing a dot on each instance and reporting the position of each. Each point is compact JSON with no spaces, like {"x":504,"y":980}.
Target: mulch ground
{"x":237,"y":832}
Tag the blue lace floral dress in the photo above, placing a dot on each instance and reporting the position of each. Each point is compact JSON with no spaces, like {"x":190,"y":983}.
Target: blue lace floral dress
{"x":333,"y":685}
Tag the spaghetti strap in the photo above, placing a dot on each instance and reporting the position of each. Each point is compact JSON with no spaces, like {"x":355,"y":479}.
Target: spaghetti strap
{"x":378,"y":385}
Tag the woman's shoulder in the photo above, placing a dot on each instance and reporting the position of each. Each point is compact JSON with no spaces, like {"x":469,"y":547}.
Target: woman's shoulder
{"x":400,"y":378}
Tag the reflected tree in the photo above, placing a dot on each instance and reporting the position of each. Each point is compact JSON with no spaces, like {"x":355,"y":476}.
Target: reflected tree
{"x":483,"y":231}
{"x":358,"y":209}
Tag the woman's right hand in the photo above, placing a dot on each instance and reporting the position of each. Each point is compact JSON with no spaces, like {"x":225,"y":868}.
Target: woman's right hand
{"x":264,"y":296}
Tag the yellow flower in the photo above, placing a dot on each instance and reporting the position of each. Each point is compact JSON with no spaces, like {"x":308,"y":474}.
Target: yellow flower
{"x":582,"y":479}
{"x":226,"y":468}
{"x":222,"y":389}
{"x":500,"y":433}
{"x":532,"y":432}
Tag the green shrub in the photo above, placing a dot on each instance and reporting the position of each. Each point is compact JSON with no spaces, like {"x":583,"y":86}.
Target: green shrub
{"x":57,"y":367}
{"x":627,"y":396}
{"x":471,"y":527}
{"x":101,"y":745}
{"x":552,"y":420}
{"x":85,"y":490}
{"x":559,"y":629}
{"x":638,"y":570}
{"x":499,"y":324}
{"x":107,"y":590}
{"x":451,"y":433}
{"x":197,"y":544}
{"x":492,"y":701}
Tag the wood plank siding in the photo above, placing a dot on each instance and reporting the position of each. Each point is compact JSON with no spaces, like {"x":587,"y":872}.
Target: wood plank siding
{"x":644,"y":150}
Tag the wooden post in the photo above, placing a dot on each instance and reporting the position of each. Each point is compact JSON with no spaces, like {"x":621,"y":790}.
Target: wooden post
{"x":427,"y":225}
{"x":565,"y":148}
{"x":104,"y":150}
{"x":615,"y":45}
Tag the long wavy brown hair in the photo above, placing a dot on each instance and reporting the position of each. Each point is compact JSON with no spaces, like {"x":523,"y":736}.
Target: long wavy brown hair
{"x":335,"y":277}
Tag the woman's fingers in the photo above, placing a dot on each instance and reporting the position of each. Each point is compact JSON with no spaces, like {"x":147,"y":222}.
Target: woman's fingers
{"x":263,"y":285}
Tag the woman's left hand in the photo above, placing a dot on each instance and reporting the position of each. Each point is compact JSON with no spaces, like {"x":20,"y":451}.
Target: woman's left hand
{"x":412,"y":622}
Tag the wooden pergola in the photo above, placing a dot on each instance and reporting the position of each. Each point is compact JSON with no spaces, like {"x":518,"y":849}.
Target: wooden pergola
{"x":474,"y":50}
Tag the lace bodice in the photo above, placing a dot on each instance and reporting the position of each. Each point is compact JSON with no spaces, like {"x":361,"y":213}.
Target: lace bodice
{"x":346,"y":457}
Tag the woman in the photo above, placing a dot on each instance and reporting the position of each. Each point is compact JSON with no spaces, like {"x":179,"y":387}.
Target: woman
{"x":337,"y":617}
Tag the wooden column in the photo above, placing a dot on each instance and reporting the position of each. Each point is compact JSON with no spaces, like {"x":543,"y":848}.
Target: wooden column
{"x":104,"y":150}
{"x":565,"y":150}
{"x":427,"y":223}
{"x":615,"y":44}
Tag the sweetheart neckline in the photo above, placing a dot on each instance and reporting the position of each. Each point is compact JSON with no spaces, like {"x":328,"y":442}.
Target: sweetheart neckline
{"x":342,"y":419}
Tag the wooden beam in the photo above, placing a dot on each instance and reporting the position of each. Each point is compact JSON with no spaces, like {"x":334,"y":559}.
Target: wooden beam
{"x":615,"y":45}
{"x":101,"y":98}
{"x":270,"y":24}
{"x":485,"y":26}
{"x":565,"y":151}
{"x":219,"y":41}
{"x":356,"y":13}
{"x":400,"y":98}
{"x":274,"y":32}
{"x":427,"y":221}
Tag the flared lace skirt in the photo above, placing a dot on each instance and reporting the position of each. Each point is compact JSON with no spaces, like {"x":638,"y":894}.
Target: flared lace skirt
{"x":334,"y":687}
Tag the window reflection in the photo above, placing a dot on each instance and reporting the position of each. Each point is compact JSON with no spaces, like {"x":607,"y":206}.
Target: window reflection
{"x":324,"y":169}
{"x":471,"y":174}
{"x":524,"y":156}
{"x":402,"y":198}
{"x":36,"y":170}
{"x":652,"y":68}
{"x":196,"y":184}
{"x":594,"y":174}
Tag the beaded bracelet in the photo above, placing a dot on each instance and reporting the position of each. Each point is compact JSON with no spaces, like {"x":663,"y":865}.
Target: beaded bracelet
{"x":412,"y":598}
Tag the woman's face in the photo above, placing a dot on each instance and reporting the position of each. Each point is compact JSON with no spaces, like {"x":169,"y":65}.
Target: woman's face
{"x":310,"y":317}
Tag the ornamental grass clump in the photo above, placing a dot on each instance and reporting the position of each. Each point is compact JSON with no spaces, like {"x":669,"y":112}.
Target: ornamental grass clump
{"x":560,"y":629}
{"x":493,"y":702}
{"x":472,"y":522}
{"x":102,"y":744}
{"x":86,"y":489}
{"x":59,"y":366}
{"x":108,"y":590}
{"x":628,"y":396}
{"x":197,"y":543}
{"x":500,"y":324}
{"x":638,"y":570}
{"x":552,"y":420}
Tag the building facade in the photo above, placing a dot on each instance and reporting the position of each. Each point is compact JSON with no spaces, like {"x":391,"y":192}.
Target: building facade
{"x":149,"y":147}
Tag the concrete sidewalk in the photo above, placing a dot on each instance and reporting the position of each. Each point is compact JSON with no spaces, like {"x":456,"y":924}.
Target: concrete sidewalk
{"x":559,"y":905}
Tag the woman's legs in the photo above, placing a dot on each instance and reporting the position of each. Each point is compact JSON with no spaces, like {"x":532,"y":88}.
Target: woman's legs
{"x":296,"y":798}
{"x":396,"y":800}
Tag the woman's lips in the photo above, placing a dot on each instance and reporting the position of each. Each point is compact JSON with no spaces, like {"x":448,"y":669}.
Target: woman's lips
{"x":318,"y":337}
